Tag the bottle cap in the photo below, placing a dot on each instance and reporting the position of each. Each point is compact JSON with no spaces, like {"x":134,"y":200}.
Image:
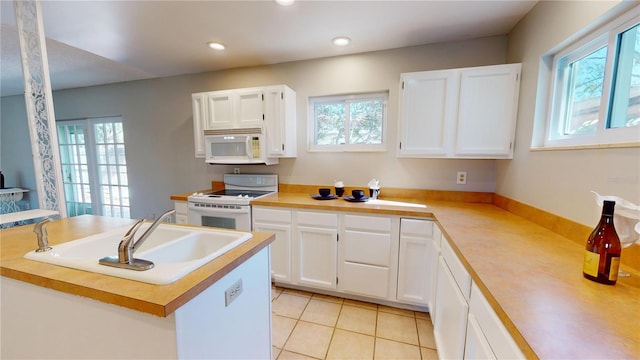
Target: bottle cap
{"x":607,"y":207}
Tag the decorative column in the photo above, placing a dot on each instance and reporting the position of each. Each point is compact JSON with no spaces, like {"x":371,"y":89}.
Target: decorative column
{"x":39,"y":103}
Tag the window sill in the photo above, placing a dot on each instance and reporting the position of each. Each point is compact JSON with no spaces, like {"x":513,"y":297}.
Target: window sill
{"x":586,"y":147}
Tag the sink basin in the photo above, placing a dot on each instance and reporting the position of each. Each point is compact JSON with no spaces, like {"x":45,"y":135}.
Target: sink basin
{"x":175,"y":250}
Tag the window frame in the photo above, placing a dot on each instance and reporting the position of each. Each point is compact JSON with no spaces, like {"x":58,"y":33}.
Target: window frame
{"x":312,"y":127}
{"x":606,"y":35}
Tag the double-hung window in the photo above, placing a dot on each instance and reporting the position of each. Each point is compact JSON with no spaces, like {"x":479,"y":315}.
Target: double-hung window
{"x":595,"y":88}
{"x":354,"y":122}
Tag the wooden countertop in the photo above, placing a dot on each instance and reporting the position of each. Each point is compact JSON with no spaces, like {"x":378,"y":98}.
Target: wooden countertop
{"x":159,"y":300}
{"x":531,"y":276}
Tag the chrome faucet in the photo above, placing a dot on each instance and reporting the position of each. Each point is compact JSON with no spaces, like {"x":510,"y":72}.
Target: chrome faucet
{"x":41,"y":232}
{"x":128,"y":246}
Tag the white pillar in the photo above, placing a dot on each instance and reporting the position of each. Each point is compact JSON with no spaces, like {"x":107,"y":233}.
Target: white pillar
{"x":39,"y":103}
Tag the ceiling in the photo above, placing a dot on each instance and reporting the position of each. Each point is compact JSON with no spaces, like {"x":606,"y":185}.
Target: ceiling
{"x":101,"y":42}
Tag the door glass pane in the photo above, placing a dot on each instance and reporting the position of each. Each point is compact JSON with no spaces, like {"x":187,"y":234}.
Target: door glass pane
{"x":625,"y":108}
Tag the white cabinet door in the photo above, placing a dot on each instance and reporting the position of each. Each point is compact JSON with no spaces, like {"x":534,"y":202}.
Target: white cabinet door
{"x":248,"y":108}
{"x":239,"y":108}
{"x":414,"y":267}
{"x":200,"y":114}
{"x":427,"y":104}
{"x":434,"y":254}
{"x":476,"y":346}
{"x":451,"y":315}
{"x":221,"y":110}
{"x":493,"y":330}
{"x":316,"y":237}
{"x":487,"y":110}
{"x":280,"y":121}
{"x":277,"y":221}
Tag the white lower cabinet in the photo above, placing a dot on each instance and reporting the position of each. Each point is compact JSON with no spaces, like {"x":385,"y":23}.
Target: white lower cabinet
{"x":316,"y":237}
{"x":452,"y":296}
{"x":490,"y":340}
{"x":391,"y":259}
{"x":182,"y":212}
{"x":466,"y":325}
{"x":476,"y":346}
{"x":415,"y":283}
{"x":277,"y":221}
{"x":434,"y":254}
{"x":368,"y":255}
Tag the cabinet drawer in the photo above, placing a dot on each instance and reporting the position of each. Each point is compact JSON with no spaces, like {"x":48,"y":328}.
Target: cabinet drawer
{"x":316,"y":219}
{"x":367,"y":248}
{"x":367,"y":223}
{"x":501,"y":342}
{"x":271,"y":215}
{"x":416,"y":228}
{"x":460,"y":274}
{"x":365,"y":279}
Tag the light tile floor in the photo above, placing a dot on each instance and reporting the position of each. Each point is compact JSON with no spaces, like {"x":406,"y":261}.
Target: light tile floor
{"x":314,"y":326}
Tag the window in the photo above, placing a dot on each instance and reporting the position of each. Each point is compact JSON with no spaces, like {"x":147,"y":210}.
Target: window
{"x":595,"y":92}
{"x":348,"y":122}
{"x":94,"y":167}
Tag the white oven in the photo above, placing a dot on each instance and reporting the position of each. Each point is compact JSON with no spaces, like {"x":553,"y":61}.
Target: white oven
{"x":230,"y":208}
{"x":236,"y":217}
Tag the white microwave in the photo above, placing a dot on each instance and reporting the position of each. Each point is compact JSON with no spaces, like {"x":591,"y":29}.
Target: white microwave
{"x":236,"y":146}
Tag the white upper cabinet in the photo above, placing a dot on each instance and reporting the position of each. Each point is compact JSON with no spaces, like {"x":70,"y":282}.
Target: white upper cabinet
{"x":427,"y":102}
{"x":487,"y":111}
{"x":459,"y":113}
{"x":280,"y":121}
{"x":272,"y":109}
{"x":230,"y":109}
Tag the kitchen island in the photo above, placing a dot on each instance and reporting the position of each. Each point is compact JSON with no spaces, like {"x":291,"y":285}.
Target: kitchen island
{"x":531,"y":276}
{"x":50,"y":311}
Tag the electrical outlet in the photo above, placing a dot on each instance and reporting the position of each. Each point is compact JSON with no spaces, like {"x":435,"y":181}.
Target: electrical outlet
{"x":236,"y":170}
{"x":461,"y":178}
{"x":232,"y":292}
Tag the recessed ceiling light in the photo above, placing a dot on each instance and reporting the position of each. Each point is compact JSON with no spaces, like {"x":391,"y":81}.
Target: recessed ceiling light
{"x":341,"y":41}
{"x":215,"y":45}
{"x":285,"y":2}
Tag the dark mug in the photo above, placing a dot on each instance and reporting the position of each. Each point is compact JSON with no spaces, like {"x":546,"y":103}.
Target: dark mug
{"x":339,"y":191}
{"x":357,"y":194}
{"x":324,"y":192}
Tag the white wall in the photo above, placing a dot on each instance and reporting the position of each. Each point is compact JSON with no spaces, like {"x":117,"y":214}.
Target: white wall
{"x":159,"y":135}
{"x":560,"y":181}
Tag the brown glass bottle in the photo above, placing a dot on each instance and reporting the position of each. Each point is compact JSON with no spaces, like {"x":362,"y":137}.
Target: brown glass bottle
{"x":602,"y":254}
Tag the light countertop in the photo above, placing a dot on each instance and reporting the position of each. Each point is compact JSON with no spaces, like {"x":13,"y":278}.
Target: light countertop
{"x":531,"y":276}
{"x":159,"y":300}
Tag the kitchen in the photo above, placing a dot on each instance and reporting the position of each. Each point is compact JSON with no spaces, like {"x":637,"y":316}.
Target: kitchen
{"x":554,"y":181}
